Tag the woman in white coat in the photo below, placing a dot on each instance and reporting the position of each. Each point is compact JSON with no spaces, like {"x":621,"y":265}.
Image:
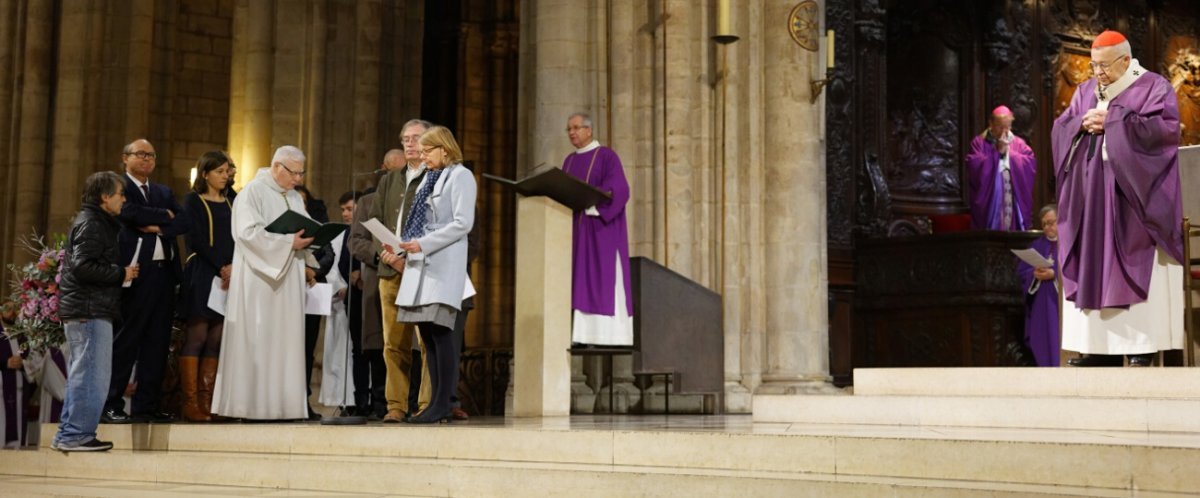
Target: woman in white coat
{"x":433,"y":261}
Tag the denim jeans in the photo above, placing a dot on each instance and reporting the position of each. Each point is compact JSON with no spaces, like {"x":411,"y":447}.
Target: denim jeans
{"x":89,"y":367}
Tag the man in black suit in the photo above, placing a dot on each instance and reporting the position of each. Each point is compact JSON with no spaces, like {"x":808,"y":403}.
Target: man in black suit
{"x":150,"y":215}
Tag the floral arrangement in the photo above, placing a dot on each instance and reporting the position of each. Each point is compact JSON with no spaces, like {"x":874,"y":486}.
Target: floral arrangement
{"x":33,"y":304}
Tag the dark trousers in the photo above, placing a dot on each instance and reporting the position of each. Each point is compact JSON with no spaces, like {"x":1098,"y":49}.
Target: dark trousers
{"x":312,"y":329}
{"x":362,"y":388}
{"x":373,"y":362}
{"x":443,"y":366}
{"x":143,"y":337}
{"x":414,"y":373}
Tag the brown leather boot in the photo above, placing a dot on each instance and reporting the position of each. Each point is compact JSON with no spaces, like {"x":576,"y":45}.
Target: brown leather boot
{"x":208,"y":379}
{"x":189,"y":371}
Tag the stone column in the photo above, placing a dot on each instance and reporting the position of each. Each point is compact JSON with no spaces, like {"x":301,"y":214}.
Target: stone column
{"x":258,"y":78}
{"x":797,"y":342}
{"x":29,"y":75}
{"x":551,"y":78}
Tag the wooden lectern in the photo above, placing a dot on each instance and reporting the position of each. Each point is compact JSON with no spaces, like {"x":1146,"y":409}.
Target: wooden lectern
{"x":542,"y":328}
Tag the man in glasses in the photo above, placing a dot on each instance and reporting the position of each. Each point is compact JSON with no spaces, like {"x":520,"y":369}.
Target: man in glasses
{"x":1120,"y":243}
{"x":393,"y":198}
{"x":150,"y":220}
{"x":1000,"y":174}
{"x":260,"y":375}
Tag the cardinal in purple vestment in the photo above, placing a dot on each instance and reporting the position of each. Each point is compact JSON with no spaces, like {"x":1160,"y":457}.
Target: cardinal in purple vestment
{"x":600,"y":296}
{"x":1120,"y":242}
{"x":1041,"y":295}
{"x":1000,"y":174}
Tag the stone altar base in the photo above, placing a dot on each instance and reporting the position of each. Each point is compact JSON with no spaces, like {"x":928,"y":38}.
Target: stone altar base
{"x":592,"y":455}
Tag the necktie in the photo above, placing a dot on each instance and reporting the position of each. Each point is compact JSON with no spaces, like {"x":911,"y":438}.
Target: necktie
{"x":146,"y":192}
{"x":414,"y":228}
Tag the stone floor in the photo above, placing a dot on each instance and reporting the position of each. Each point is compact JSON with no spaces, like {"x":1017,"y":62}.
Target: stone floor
{"x":613,"y":456}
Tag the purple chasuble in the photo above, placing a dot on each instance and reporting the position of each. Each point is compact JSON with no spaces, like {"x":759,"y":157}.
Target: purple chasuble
{"x":1041,"y":308}
{"x":1113,"y":213}
{"x":599,"y":241}
{"x":986,"y":185}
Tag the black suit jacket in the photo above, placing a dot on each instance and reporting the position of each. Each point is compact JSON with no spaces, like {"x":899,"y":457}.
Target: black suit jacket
{"x":138,"y":212}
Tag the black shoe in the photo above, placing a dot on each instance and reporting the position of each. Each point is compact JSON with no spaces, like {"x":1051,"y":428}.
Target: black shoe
{"x":1141,"y":360}
{"x":115,"y":417}
{"x":93,"y":445}
{"x":313,"y":416}
{"x":426,"y":417}
{"x":1096,"y":360}
{"x":155,"y":417}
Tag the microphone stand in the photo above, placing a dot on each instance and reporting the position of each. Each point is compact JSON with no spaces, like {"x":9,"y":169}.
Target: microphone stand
{"x":347,"y":370}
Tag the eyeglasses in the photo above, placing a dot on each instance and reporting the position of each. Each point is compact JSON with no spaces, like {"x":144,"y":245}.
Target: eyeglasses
{"x":289,"y":170}
{"x":143,"y":155}
{"x":1104,"y":65}
{"x":411,"y":139}
{"x":577,"y":128}
{"x":427,"y":150}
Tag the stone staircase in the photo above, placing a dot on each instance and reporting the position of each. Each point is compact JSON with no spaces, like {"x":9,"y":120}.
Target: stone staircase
{"x":957,"y":432}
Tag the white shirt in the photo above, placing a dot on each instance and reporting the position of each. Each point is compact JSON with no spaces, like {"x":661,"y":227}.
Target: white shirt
{"x":159,"y":253}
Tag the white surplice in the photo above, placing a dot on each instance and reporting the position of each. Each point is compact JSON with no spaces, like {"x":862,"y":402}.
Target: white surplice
{"x":337,"y":383}
{"x":261,"y":373}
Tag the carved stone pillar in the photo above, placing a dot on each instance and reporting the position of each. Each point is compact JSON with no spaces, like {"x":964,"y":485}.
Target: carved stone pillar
{"x":252,"y":79}
{"x":797,"y":341}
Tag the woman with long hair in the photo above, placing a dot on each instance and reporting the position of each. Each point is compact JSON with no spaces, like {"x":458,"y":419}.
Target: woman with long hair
{"x":210,"y":243}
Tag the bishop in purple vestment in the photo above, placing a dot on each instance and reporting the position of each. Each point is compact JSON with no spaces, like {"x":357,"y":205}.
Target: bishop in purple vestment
{"x":1116,"y":164}
{"x":1000,"y":174}
{"x":1041,"y":294}
{"x":600,"y":297}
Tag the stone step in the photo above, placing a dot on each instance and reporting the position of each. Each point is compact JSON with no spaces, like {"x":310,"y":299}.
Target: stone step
{"x":551,"y":460}
{"x":1025,"y":412}
{"x":1160,"y":383}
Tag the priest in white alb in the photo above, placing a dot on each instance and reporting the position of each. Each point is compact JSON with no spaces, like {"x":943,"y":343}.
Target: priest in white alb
{"x":261,"y":373}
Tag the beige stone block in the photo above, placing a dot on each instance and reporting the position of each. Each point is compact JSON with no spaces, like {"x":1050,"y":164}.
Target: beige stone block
{"x":193,"y":43}
{"x":1170,"y":415}
{"x":758,"y":452}
{"x":231,"y":469}
{"x":542,"y":328}
{"x":1166,"y":469}
{"x":574,"y":447}
{"x":989,"y":461}
{"x":205,"y":62}
{"x":210,"y":25}
{"x":234,"y":438}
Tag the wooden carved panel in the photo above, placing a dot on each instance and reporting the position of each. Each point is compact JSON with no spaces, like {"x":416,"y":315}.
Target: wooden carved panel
{"x":1072,"y":70}
{"x":1183,"y":69}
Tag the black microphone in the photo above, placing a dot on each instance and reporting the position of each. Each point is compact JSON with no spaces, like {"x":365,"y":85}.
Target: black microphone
{"x":379,"y":171}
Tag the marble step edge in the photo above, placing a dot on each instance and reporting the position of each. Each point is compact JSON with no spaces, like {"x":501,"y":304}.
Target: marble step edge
{"x":1160,"y":383}
{"x":980,"y":464}
{"x":1016,"y":412}
{"x":601,"y":484}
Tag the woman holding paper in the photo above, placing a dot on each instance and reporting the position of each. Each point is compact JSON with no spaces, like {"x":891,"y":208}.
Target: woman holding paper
{"x":1041,"y":294}
{"x":207,"y":271}
{"x":434,"y":280}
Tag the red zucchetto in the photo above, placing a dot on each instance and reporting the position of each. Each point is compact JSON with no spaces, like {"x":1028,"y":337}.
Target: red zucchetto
{"x":1108,"y":39}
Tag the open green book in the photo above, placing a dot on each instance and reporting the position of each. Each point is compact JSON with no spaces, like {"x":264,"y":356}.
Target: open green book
{"x":292,"y":222}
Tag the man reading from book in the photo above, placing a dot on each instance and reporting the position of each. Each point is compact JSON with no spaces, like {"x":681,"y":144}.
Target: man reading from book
{"x":262,"y":353}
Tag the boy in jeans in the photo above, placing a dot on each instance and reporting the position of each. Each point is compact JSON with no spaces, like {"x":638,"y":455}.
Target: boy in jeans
{"x":92,"y":276}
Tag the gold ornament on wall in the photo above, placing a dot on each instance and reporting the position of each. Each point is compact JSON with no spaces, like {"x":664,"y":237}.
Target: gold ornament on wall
{"x":804,"y":25}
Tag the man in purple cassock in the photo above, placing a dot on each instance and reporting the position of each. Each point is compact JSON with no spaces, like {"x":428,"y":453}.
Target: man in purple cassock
{"x":600,"y":297}
{"x":1041,"y":294}
{"x":1120,"y":242}
{"x":1000,"y":174}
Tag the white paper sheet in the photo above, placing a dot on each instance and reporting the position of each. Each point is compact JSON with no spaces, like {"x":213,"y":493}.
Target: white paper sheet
{"x":137,"y":251}
{"x":318,"y":300}
{"x":381,"y":233}
{"x":217,"y":296}
{"x":1032,"y":258}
